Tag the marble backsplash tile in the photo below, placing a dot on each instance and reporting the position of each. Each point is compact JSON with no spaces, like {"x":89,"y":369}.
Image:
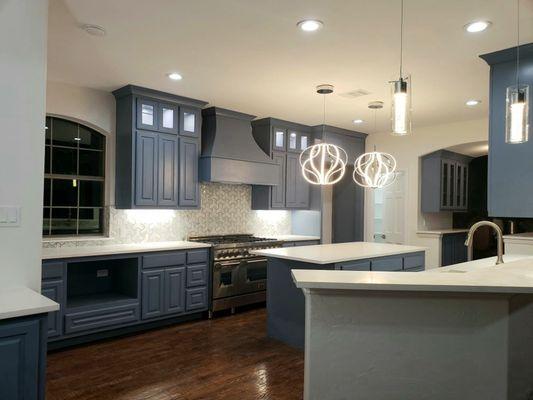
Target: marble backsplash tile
{"x":224,"y":209}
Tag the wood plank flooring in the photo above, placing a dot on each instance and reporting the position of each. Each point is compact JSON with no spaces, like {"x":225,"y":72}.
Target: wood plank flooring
{"x":227,"y":358}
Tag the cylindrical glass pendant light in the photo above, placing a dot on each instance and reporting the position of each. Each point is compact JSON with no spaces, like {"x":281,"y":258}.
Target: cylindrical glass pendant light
{"x":401,"y":96}
{"x":323,"y":163}
{"x":517,"y":102}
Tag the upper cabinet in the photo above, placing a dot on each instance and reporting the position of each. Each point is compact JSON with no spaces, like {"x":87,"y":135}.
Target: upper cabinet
{"x":157,"y":149}
{"x":510,"y":193}
{"x":283,"y":141}
{"x":444,"y":181}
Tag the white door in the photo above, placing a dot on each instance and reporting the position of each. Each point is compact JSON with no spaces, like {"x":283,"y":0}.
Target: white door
{"x":389,"y":212}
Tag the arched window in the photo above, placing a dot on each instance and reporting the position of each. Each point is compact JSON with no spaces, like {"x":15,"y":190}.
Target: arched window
{"x":74,"y":179}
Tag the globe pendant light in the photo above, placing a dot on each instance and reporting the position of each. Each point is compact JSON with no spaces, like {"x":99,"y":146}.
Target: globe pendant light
{"x":401,"y":96}
{"x":323,"y":163}
{"x":517,"y":102}
{"x":375,"y":169}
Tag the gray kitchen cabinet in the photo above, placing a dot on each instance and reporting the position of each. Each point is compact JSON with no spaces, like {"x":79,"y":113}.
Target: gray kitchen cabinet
{"x":409,"y":262}
{"x":510,"y":192}
{"x":283,"y":141}
{"x":174,"y":290}
{"x":453,"y":248}
{"x":53,"y":289}
{"x":444,"y":182}
{"x":157,"y":149}
{"x":153,"y":294}
{"x":189,"y":190}
{"x":23,"y":358}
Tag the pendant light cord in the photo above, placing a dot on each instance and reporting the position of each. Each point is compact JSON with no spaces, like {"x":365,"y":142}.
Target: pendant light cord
{"x":517,"y":45}
{"x":401,"y":40}
{"x":324,"y":118}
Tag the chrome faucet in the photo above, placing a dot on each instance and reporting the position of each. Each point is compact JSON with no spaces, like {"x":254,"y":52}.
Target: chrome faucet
{"x":470,"y":239}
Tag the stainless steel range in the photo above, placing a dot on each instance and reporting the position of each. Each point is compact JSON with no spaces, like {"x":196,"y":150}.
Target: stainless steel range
{"x":238,"y":277}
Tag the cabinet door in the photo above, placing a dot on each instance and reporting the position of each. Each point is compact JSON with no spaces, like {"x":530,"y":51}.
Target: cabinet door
{"x":167,"y":170}
{"x":153,"y":294}
{"x":460,"y":251}
{"x":464,"y":188}
{"x":190,"y":122}
{"x":458,"y":202}
{"x":447,"y":257}
{"x":189,"y":188}
{"x":292,"y":141}
{"x":19,"y":359}
{"x":146,"y":169}
{"x":293,"y":169}
{"x":279,"y":139}
{"x":304,"y":141}
{"x":445,"y":201}
{"x":167,"y":118}
{"x":278,"y":191}
{"x":302,"y":188}
{"x":147,"y":115}
{"x":54,"y":291}
{"x":175,"y":290}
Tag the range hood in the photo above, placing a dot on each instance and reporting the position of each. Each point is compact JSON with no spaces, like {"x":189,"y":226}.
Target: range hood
{"x":230,"y":154}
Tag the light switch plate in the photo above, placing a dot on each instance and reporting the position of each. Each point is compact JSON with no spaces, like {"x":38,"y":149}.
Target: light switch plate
{"x":9,"y":216}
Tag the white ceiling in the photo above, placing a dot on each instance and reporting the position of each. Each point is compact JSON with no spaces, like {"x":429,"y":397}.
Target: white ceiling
{"x":248,"y":55}
{"x":473,"y":149}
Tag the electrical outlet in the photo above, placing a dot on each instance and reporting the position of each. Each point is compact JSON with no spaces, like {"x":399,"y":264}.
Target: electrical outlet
{"x":102,"y":273}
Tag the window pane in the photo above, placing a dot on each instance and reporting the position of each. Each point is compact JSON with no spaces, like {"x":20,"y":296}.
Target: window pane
{"x":168,"y":118}
{"x":303,"y":143}
{"x":47,"y":151}
{"x":46,"y":195}
{"x":48,"y":131}
{"x":64,"y":133}
{"x":147,"y":114}
{"x":64,"y":161}
{"x":292,"y":140}
{"x":90,"y":139}
{"x":91,"y":220}
{"x":189,"y":122}
{"x":64,"y":221}
{"x":91,"y":163}
{"x":91,"y":193}
{"x":64,"y":192}
{"x":46,"y":220}
{"x":280,"y":135}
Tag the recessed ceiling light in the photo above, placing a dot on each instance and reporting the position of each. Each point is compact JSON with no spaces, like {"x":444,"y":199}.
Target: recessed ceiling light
{"x":93,"y":30}
{"x":175,"y":76}
{"x":310,"y":25}
{"x":477,"y":26}
{"x":358,"y":121}
{"x":472,"y":103}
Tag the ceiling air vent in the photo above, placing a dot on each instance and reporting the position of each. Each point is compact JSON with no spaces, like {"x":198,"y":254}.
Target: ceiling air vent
{"x":355,"y":93}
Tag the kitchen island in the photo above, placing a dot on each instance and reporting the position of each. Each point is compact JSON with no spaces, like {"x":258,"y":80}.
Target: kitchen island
{"x":461,"y":332}
{"x":286,"y":303}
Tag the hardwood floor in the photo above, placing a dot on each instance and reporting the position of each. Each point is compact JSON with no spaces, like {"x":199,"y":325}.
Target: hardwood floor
{"x":225,"y":358}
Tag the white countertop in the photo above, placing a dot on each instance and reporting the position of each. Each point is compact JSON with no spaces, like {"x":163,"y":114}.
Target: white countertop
{"x":292,"y":238}
{"x":440,"y":232}
{"x":338,"y":252}
{"x":480,"y":276}
{"x":519,"y":237}
{"x":20,"y":301}
{"x":86,"y":251}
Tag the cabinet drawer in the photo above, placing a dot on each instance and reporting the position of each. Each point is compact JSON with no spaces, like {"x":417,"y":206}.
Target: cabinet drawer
{"x":306,"y":243}
{"x":414,"y":261}
{"x":197,"y":256}
{"x":356,"y":266}
{"x":197,"y":275}
{"x":52,"y":270}
{"x":196,"y":299}
{"x":105,"y":317}
{"x":163,"y":260}
{"x":387,"y":264}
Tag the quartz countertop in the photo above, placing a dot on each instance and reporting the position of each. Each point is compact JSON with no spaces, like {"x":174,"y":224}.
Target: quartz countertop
{"x":338,"y":252}
{"x":479,"y":276}
{"x":86,"y":251}
{"x":440,"y":232}
{"x":292,"y":238}
{"x":21,"y":301}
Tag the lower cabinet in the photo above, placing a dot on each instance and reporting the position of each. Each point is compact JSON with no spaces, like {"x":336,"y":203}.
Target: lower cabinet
{"x":53,"y":289}
{"x":110,"y":316}
{"x":174,"y":289}
{"x":454,"y":250}
{"x":410,"y":262}
{"x":23,"y":358}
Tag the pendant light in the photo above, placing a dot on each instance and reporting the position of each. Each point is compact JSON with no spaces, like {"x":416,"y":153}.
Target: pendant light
{"x":375,"y":169}
{"x":401,"y":96}
{"x":517,"y":101}
{"x":323,"y":163}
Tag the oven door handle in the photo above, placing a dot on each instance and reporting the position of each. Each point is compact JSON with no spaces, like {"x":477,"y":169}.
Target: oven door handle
{"x":226,"y":264}
{"x":259,"y":260}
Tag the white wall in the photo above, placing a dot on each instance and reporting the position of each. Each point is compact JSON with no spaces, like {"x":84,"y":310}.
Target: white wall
{"x":23,"y":35}
{"x":94,"y":108}
{"x":407,"y":151}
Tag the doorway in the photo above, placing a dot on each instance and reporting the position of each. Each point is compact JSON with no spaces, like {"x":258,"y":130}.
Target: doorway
{"x":389,"y":211}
